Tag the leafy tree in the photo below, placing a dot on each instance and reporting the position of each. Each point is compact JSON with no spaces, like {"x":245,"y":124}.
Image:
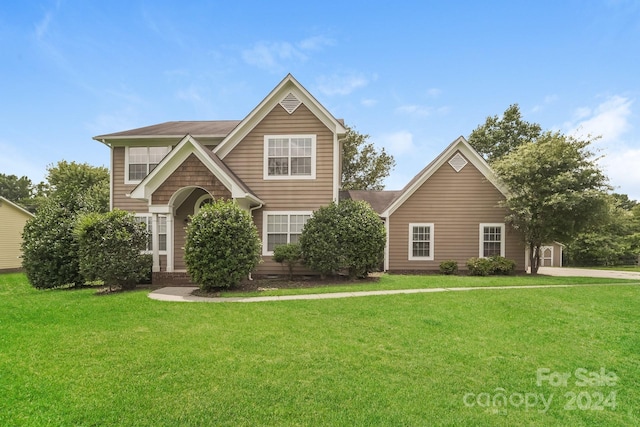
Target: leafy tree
{"x":110,"y":248}
{"x":289,"y":254}
{"x":348,"y":235}
{"x":49,"y":248}
{"x":499,"y":136}
{"x":222,"y":245}
{"x":14,"y":188}
{"x":79,"y":186}
{"x":556,"y":190}
{"x":363,"y":167}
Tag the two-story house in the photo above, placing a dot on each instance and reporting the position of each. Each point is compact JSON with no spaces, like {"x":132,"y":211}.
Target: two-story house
{"x":281,"y":163}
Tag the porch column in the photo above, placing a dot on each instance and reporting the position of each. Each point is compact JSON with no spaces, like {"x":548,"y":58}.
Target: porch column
{"x":155,"y":242}
{"x":170,"y":242}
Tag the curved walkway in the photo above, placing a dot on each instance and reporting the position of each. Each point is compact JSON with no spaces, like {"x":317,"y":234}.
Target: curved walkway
{"x":183,"y":294}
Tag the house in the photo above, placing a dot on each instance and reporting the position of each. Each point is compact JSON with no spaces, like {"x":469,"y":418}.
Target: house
{"x":449,"y":211}
{"x":12,"y":221}
{"x":281,"y":163}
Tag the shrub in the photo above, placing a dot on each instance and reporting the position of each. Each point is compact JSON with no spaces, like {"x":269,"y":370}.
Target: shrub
{"x":347,"y":235}
{"x":502,"y":266}
{"x":448,"y":267}
{"x":49,"y":248}
{"x":289,"y":254}
{"x":479,"y":266}
{"x":222,"y":245}
{"x":110,"y":248}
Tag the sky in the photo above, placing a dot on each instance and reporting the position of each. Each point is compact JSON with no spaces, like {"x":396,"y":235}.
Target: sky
{"x":414,"y":75}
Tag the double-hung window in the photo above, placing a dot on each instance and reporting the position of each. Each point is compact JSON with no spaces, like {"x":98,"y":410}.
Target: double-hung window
{"x":141,"y":161}
{"x":491,"y":240}
{"x":281,"y":228}
{"x":147,"y":220}
{"x":289,"y":156}
{"x":421,"y":241}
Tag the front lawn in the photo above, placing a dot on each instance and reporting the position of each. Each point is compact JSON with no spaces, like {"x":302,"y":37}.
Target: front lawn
{"x":635,"y":268}
{"x":70,"y":357}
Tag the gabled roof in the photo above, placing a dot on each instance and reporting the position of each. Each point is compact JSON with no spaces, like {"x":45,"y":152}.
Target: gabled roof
{"x":378,"y":200}
{"x":15,"y":206}
{"x":467,"y":151}
{"x":187,"y":146}
{"x":288,"y":85}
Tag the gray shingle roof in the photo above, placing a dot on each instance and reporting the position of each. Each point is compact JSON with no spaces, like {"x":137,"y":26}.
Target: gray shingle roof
{"x":379,"y":200}
{"x":203,"y":128}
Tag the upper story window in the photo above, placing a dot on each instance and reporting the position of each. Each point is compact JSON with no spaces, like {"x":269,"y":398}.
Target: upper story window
{"x":491,"y":240}
{"x":141,"y":161}
{"x":289,"y":156}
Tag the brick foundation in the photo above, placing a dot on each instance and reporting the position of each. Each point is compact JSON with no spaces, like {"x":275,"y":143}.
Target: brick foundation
{"x":171,"y":279}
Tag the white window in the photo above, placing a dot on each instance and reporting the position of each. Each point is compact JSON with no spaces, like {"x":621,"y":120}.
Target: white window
{"x":147,"y":220}
{"x":280,"y":228}
{"x":421,"y":241}
{"x":289,"y":156}
{"x":141,"y":161}
{"x":491,"y":240}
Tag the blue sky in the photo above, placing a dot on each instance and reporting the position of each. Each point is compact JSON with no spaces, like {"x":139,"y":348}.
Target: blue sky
{"x":413,"y":75}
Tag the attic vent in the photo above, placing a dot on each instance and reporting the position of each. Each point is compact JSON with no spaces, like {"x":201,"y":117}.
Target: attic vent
{"x":290,"y":103}
{"x":457,"y":162}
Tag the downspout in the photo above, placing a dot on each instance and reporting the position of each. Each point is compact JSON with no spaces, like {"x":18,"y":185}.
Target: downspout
{"x":251,"y":213}
{"x":110,"y":174}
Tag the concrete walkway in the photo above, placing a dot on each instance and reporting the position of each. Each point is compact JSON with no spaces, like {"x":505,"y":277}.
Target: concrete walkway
{"x":183,"y":294}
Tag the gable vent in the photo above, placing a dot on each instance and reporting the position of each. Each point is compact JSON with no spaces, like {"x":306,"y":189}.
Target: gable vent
{"x":457,"y":162}
{"x":290,"y":103}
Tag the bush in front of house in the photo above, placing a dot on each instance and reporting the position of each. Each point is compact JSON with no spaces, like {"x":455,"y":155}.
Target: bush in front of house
{"x":289,"y":255}
{"x":110,"y":248}
{"x":49,"y":248}
{"x":449,"y":267}
{"x":344,"y":236}
{"x":222,"y":245}
{"x":495,"y":265}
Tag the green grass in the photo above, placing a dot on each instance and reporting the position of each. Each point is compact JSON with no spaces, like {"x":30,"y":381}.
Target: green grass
{"x":69,"y":357}
{"x":392,"y":282}
{"x":635,"y":268}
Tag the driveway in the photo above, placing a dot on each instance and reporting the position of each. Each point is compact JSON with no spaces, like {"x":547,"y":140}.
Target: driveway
{"x":585,"y":272}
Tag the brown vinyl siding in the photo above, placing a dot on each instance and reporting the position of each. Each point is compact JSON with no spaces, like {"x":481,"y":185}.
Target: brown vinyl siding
{"x":456,"y":203}
{"x":247,"y":159}
{"x":120,"y":189}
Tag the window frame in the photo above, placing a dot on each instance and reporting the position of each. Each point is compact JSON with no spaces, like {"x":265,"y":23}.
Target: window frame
{"x":501,"y":225}
{"x":127,"y":163}
{"x":265,"y":230}
{"x":149,"y":223}
{"x":431,"y":226}
{"x":289,"y":176}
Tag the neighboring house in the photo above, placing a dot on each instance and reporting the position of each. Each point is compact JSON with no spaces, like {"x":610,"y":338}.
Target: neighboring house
{"x":12,"y":221}
{"x":281,"y":163}
{"x":449,"y":211}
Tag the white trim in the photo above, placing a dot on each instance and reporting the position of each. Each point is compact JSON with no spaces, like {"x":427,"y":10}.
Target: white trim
{"x":459,"y":145}
{"x":155,"y":243}
{"x":126,"y":161}
{"x":481,"y":237}
{"x":265,"y":214}
{"x":288,"y":84}
{"x":111,"y":181}
{"x":170,"y":248}
{"x":542,"y":258}
{"x":265,"y":157}
{"x":412,"y":257}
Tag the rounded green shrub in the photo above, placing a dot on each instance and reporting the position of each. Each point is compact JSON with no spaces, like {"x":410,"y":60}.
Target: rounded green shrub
{"x":49,"y":247}
{"x":479,"y":266}
{"x":222,"y":245}
{"x":502,"y":266}
{"x":110,"y":248}
{"x":289,"y":254}
{"x":344,"y":236}
{"x":449,"y":267}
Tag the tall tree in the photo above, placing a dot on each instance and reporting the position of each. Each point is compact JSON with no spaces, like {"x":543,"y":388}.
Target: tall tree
{"x":499,"y":136}
{"x":14,"y":188}
{"x":78,"y":186}
{"x":556,"y":189}
{"x":363,"y":166}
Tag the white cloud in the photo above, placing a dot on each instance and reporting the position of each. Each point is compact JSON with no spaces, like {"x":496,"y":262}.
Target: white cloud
{"x":341,"y":84}
{"x":434,"y":92}
{"x":369,"y":102}
{"x":415,"y":110}
{"x":609,"y":120}
{"x":621,"y":166}
{"x":549,"y":99}
{"x":274,"y":55}
{"x":397,"y":143}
